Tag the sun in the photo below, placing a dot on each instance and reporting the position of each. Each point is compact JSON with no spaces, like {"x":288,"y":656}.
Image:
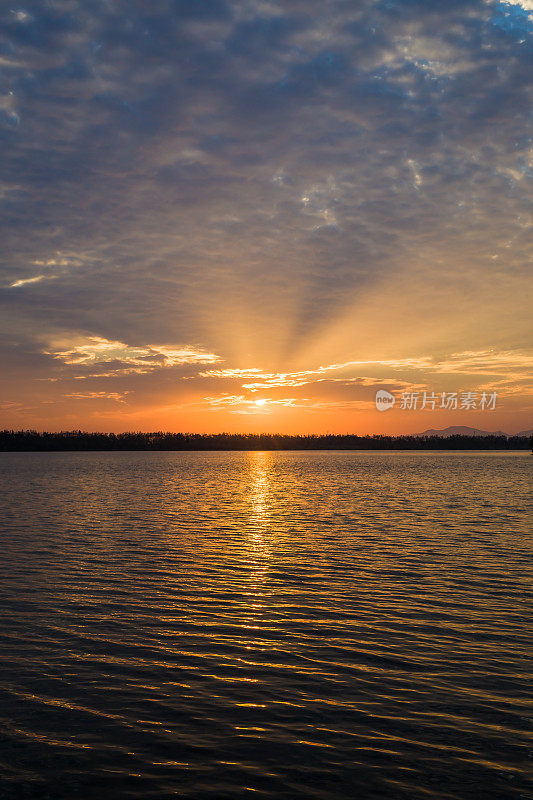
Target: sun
{"x":260,"y":402}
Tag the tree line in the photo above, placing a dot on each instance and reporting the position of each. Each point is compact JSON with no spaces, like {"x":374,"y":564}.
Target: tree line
{"x":29,"y":440}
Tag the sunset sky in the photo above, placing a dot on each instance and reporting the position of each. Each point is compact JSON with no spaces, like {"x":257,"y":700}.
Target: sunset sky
{"x":251,"y":215}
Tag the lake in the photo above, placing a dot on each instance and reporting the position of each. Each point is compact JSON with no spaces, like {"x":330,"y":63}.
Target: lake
{"x":314,"y":625}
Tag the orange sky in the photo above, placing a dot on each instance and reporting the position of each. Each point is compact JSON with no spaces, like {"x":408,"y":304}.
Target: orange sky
{"x":259,"y":228}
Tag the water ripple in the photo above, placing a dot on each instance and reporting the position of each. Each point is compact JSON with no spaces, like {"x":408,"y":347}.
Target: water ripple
{"x":279,"y":625}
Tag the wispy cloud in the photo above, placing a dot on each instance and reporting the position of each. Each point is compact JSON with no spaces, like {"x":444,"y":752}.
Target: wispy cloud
{"x":97,"y":350}
{"x":265,"y":380}
{"x":119,"y":397}
{"x":26,"y":281}
{"x":240,"y":404}
{"x":486,"y":362}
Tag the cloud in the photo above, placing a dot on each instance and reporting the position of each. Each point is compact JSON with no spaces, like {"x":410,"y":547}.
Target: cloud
{"x":509,"y":5}
{"x":286,"y":185}
{"x":117,"y":396}
{"x":59,"y":261}
{"x":25,"y":281}
{"x":264,"y":380}
{"x":239,"y":404}
{"x":96,"y":350}
{"x":486,"y":362}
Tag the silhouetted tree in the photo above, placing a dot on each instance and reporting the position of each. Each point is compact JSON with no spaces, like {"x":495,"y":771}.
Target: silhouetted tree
{"x":31,"y":440}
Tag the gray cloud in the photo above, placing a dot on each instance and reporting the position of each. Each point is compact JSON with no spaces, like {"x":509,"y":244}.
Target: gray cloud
{"x":220,"y":174}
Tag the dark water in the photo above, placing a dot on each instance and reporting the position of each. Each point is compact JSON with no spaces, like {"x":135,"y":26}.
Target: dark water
{"x":265,"y":625}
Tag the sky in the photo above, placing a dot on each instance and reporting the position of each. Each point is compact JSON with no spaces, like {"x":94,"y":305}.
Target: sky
{"x":252,"y":215}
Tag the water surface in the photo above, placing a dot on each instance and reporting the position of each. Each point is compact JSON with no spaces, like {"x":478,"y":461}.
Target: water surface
{"x":273,"y":625}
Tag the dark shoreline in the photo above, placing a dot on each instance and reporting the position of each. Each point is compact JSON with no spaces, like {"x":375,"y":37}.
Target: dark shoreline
{"x":68,"y":441}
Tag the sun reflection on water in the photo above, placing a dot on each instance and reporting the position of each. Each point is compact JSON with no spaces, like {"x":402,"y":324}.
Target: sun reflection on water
{"x":323,"y":624}
{"x":259,"y":528}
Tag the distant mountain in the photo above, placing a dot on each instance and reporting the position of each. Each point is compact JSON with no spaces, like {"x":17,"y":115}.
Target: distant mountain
{"x":462,"y":430}
{"x":525,"y":433}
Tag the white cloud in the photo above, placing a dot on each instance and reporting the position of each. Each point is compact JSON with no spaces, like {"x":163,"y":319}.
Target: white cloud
{"x":267,"y":380}
{"x":527,"y":5}
{"x":146,"y":358}
{"x":25,"y":281}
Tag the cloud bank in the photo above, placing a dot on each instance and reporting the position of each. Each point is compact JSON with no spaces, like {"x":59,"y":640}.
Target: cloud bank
{"x":266,"y":186}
